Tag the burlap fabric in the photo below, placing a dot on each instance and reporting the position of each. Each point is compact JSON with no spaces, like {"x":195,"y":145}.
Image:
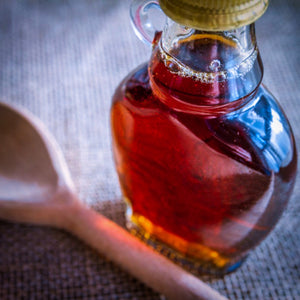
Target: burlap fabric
{"x":62,"y":60}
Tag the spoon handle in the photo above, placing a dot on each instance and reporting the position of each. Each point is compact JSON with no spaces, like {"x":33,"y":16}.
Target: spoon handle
{"x":136,"y":258}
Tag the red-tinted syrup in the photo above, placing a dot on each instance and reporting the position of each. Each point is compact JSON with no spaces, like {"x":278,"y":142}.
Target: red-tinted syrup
{"x":193,"y":178}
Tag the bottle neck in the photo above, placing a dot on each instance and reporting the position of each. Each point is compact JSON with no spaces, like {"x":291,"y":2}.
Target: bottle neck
{"x":205,"y":71}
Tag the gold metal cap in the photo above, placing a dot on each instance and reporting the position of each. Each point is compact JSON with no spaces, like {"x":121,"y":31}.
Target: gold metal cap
{"x":214,"y":15}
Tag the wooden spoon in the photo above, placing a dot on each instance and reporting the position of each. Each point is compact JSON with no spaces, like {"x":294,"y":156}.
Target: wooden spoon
{"x":36,"y":187}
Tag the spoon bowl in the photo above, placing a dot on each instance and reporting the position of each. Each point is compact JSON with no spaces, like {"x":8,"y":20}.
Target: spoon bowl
{"x":33,"y":172}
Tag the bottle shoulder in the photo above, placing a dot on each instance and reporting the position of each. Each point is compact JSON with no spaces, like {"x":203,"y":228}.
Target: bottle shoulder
{"x":134,"y":86}
{"x":135,"y":94}
{"x":267,"y":126}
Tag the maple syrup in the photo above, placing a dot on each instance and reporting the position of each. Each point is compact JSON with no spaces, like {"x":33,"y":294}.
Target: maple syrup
{"x":194,"y":145}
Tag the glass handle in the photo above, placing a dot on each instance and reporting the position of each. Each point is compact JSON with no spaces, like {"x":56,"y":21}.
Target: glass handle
{"x":147,"y":18}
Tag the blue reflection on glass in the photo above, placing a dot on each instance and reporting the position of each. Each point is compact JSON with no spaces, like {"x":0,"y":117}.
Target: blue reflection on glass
{"x":267,"y":128}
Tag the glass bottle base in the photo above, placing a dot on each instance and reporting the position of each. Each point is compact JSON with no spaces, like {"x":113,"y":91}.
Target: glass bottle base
{"x":210,"y":266}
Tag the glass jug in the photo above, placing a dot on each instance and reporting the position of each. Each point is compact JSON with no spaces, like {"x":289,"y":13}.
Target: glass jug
{"x":205,"y":156}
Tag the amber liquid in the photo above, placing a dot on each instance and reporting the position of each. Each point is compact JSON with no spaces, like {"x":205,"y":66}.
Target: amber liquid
{"x":192,"y":177}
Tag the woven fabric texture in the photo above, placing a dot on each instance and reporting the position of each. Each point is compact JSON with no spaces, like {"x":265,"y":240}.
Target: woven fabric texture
{"x":62,"y":61}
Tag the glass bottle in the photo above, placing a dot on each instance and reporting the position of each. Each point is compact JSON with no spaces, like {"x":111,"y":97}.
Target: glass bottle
{"x":205,"y":155}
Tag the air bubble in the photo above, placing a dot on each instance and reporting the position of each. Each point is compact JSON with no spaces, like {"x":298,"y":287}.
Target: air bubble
{"x":215,"y":65}
{"x":172,"y":66}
